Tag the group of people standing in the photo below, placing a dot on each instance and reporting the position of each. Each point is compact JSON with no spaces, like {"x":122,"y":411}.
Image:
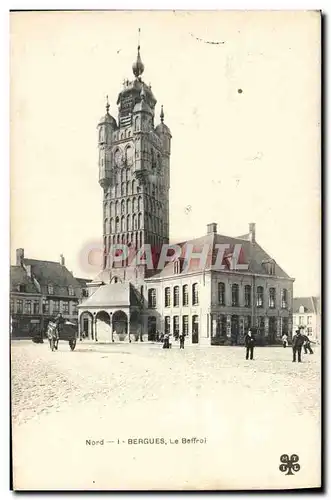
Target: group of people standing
{"x":166,"y":341}
{"x":298,"y":341}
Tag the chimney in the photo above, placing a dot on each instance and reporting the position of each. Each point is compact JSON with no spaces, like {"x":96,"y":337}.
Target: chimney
{"x":212,"y":228}
{"x":62,"y":261}
{"x":252,"y":232}
{"x":19,"y":256}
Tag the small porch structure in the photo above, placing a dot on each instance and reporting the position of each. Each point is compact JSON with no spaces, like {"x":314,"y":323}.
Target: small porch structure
{"x":112,"y":314}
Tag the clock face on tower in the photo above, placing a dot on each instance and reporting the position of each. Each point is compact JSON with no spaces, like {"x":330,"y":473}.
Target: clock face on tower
{"x":118,"y":158}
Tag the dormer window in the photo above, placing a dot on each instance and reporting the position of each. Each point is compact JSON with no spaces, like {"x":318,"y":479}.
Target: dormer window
{"x":21,"y":288}
{"x":178,"y":266}
{"x":269,"y":266}
{"x":71,"y":291}
{"x":50,"y":289}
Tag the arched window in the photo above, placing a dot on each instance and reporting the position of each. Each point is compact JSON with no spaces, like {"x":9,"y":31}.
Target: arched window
{"x":259,"y":296}
{"x":122,"y":207}
{"x":117,"y":224}
{"x":221,"y":294}
{"x":128,"y":155}
{"x":284,"y":298}
{"x":123,"y":186}
{"x":139,"y":204}
{"x":128,"y":206}
{"x":111,"y":209}
{"x":117,"y":208}
{"x":185,"y":295}
{"x":167,"y":297}
{"x":272,"y":298}
{"x":128,"y":188}
{"x":235,"y":295}
{"x":123,"y":224}
{"x":195,"y":294}
{"x":176,"y":296}
{"x":134,"y":222}
{"x":151,"y":328}
{"x":134,"y":208}
{"x":133,"y":186}
{"x":128,"y":223}
{"x":122,"y":175}
{"x":248,"y":296}
{"x":260,"y":325}
{"x":111,"y":225}
{"x":136,"y":123}
{"x":139,"y":221}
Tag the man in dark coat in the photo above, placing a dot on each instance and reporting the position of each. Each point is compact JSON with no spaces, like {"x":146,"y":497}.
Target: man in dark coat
{"x":307,"y":345}
{"x":249,"y":344}
{"x":297,"y":343}
{"x":181,"y":340}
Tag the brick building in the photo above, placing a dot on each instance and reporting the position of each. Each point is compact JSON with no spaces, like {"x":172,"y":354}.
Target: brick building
{"x":39,"y":290}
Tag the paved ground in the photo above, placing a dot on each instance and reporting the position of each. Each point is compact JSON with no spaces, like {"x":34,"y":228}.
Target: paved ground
{"x":249,"y":413}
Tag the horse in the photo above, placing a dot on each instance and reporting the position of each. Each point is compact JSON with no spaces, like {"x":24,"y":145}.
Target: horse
{"x":53,"y":335}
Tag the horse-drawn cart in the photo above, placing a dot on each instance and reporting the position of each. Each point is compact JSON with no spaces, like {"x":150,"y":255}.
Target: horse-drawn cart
{"x":66,"y":331}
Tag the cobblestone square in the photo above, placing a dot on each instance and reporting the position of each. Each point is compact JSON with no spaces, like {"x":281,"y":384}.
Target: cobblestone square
{"x":248,"y":412}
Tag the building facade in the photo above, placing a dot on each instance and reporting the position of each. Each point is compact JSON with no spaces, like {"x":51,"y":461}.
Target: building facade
{"x":133,"y":301}
{"x":39,"y":290}
{"x":307,"y":315}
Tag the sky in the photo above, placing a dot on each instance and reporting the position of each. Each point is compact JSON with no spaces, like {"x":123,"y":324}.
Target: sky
{"x":244,"y":115}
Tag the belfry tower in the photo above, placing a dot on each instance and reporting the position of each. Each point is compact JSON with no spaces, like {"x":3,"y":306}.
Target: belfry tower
{"x":134,"y":158}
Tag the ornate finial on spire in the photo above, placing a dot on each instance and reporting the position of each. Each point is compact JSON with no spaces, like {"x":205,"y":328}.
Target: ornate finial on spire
{"x":162,"y":114}
{"x":107,"y":104}
{"x":138,"y":67}
{"x":142,"y":93}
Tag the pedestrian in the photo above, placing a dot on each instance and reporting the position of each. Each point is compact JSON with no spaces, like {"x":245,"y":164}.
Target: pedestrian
{"x":249,"y":344}
{"x":297,"y":343}
{"x":166,"y":344}
{"x":285,"y":340}
{"x":181,"y":340}
{"x":307,"y":345}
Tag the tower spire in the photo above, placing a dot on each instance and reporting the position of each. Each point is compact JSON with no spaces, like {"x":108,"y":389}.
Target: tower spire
{"x":107,"y":104}
{"x":162,"y":114}
{"x":138,"y":67}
